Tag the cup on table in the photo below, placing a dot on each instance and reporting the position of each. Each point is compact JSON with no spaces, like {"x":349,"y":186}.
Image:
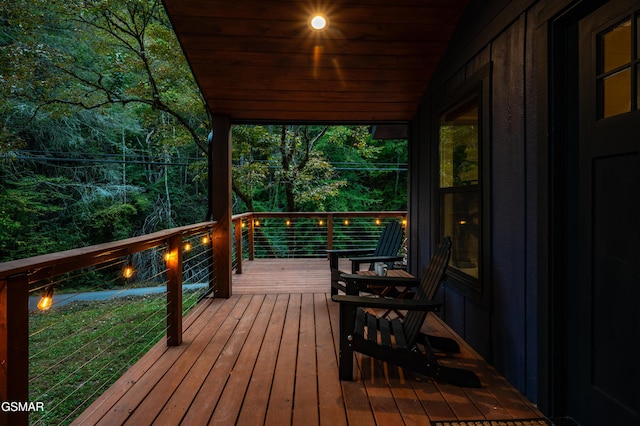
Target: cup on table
{"x":380,"y":268}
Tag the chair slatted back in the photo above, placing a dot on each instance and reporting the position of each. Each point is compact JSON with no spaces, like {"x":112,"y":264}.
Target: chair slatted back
{"x":427,"y":289}
{"x":390,"y":241}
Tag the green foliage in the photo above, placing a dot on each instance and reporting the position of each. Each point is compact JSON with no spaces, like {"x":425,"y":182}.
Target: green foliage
{"x":96,"y":88}
{"x":32,"y":212}
{"x":316,"y":185}
{"x":113,"y":222}
{"x":311,"y":168}
{"x":103,"y":135}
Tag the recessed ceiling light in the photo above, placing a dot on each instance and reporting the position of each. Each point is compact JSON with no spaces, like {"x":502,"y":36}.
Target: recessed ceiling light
{"x":318,"y":22}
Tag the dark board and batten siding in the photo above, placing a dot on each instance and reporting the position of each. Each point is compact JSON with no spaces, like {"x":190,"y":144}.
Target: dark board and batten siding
{"x":509,"y":202}
{"x":504,"y":330}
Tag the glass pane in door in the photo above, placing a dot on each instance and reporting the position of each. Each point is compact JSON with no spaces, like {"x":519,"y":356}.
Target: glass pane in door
{"x":616,"y":93}
{"x":615,"y":47}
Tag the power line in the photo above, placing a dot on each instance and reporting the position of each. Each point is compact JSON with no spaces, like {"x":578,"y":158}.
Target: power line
{"x":93,"y":160}
{"x":339,"y":166}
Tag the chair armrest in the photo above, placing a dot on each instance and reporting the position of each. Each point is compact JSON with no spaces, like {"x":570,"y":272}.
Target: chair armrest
{"x":383,"y":303}
{"x":371,"y":259}
{"x":377,"y":280}
{"x":350,"y":252}
{"x":334,"y":255}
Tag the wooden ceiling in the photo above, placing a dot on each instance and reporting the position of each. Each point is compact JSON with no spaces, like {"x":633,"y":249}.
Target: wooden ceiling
{"x":259,"y":60}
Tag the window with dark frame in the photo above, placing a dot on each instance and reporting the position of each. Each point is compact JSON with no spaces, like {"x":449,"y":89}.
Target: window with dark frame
{"x":460,"y":186}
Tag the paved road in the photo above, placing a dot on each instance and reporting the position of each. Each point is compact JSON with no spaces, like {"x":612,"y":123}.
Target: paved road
{"x":63,"y":299}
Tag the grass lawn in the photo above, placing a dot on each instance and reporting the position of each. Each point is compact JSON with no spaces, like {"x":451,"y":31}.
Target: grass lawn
{"x":77,"y":351}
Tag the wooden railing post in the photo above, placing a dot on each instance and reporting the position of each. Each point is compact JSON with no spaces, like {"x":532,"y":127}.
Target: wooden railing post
{"x":173,"y":260}
{"x":14,"y":347}
{"x":238,"y":242}
{"x":250,"y":238}
{"x":210,"y":260}
{"x":329,"y":232}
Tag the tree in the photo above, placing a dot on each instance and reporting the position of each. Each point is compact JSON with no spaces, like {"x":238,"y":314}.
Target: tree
{"x":279,"y":167}
{"x":96,"y":80}
{"x":250,"y":154}
{"x":123,"y":53}
{"x":313,"y":168}
{"x":306,"y":176}
{"x":102,"y":119}
{"x":371,"y":168}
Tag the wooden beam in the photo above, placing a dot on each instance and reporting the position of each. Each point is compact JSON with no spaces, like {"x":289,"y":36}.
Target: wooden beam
{"x":220,"y":199}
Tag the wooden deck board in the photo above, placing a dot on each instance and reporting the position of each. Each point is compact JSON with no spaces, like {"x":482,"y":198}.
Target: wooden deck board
{"x":268,"y":355}
{"x":175,"y":409}
{"x":230,"y":402}
{"x":305,"y":397}
{"x":412,"y":411}
{"x":254,"y":408}
{"x":209,"y":394}
{"x":330,"y":405}
{"x":281,"y":400}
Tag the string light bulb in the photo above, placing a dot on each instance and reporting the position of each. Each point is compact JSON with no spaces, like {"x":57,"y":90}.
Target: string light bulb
{"x":205,"y":240}
{"x":47,"y":299}
{"x":187,"y":246}
{"x":128,"y":270}
{"x":169,"y":256}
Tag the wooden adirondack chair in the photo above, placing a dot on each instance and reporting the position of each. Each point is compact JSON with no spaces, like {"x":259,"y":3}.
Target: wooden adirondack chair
{"x":385,"y":251}
{"x":396,"y":341}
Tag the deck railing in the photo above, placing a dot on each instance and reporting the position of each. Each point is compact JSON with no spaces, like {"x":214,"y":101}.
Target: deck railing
{"x":299,"y":235}
{"x":256,"y":235}
{"x":23,"y":279}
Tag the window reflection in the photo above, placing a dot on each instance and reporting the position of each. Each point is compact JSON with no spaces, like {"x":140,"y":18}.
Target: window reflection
{"x":461,"y":220}
{"x":616,"y":93}
{"x":459,"y":184}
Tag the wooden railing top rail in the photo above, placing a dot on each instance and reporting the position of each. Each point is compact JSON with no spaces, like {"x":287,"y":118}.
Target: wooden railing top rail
{"x":52,"y":264}
{"x":325,"y":214}
{"x":40,"y":267}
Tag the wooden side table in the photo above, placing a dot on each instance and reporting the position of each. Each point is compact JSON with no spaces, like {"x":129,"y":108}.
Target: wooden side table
{"x":396,"y":273}
{"x":383,"y":291}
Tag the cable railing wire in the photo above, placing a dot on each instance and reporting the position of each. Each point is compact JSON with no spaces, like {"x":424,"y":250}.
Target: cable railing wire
{"x":306,"y":237}
{"x":96,"y":372}
{"x":73,"y":363}
{"x":72,"y":366}
{"x":68,"y":383}
{"x":86,"y":344}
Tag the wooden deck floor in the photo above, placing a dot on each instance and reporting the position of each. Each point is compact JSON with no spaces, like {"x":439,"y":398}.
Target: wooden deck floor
{"x":268,"y":355}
